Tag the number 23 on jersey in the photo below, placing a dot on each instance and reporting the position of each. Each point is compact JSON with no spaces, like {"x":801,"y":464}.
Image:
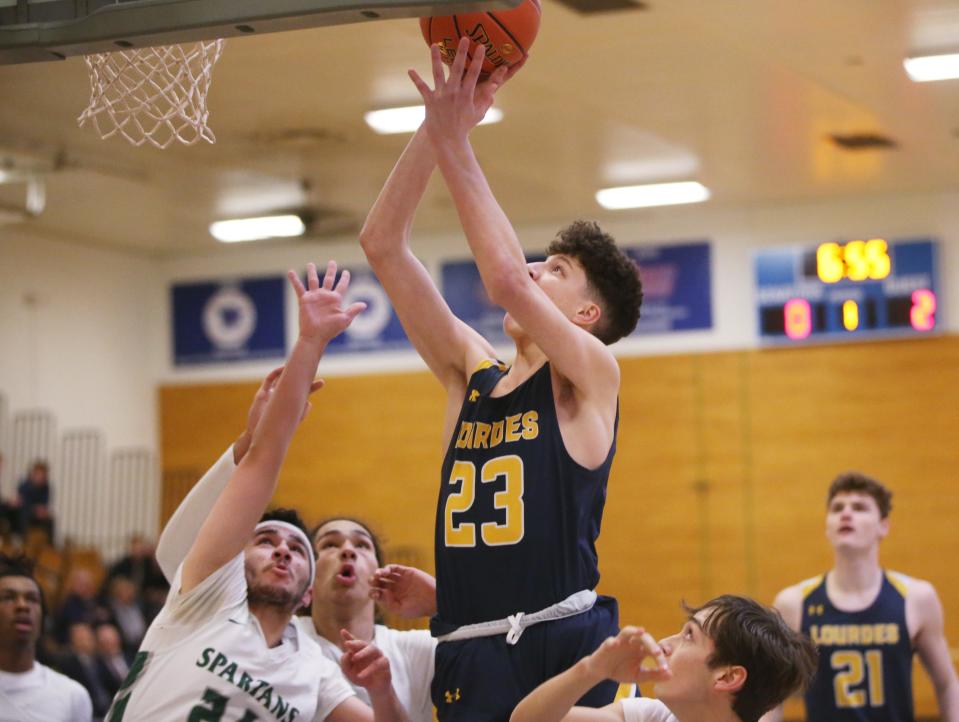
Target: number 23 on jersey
{"x":508,"y":499}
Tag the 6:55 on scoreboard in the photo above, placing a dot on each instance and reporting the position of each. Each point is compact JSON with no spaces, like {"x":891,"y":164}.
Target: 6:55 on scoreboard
{"x":848,"y":289}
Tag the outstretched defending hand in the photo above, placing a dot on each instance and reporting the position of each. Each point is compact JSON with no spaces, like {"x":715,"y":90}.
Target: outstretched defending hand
{"x":321,"y":316}
{"x":260,"y":400}
{"x":364,"y":664}
{"x":457,"y":104}
{"x":404,"y":591}
{"x":621,"y":658}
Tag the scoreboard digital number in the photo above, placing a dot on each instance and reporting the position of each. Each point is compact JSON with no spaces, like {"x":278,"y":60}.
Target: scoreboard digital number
{"x":857,"y":288}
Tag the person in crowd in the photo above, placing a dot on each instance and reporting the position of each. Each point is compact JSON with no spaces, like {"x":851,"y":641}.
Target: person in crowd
{"x":33,"y":500}
{"x":29,"y":690}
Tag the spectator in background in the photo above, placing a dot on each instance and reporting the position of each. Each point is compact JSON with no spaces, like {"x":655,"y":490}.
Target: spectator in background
{"x":9,"y":514}
{"x":124,"y":608}
{"x":81,"y":663}
{"x":114,"y":663}
{"x":140,"y":566}
{"x":79,"y":606}
{"x":28,"y":689}
{"x":33,"y":500}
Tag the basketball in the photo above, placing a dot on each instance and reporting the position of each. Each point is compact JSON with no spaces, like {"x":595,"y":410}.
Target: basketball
{"x":506,"y":34}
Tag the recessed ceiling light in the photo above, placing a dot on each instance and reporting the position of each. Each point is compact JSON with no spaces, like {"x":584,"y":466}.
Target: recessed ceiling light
{"x":925,"y":68}
{"x":653,"y":194}
{"x":239,"y":230}
{"x":409,"y":118}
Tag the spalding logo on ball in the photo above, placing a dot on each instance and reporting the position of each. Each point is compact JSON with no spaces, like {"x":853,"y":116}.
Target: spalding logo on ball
{"x":506,"y":35}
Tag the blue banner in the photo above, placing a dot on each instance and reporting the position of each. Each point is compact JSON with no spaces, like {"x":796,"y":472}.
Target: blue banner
{"x":228,"y":321}
{"x":378,"y":328}
{"x":677,"y":287}
{"x":466,"y":296}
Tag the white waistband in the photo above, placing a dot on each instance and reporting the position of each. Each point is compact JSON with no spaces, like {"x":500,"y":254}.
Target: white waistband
{"x":514,"y":624}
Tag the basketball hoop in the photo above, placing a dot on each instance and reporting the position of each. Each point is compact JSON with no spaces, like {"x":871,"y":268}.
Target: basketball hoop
{"x":154,"y":95}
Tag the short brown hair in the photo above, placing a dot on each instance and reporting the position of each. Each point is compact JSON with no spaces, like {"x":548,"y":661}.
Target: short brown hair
{"x":857,"y":482}
{"x":778,"y":661}
{"x":611,"y":274}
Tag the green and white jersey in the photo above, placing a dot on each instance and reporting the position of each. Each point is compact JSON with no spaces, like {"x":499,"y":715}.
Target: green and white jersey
{"x":411,"y":664}
{"x":204,"y":659}
{"x":42,"y":695}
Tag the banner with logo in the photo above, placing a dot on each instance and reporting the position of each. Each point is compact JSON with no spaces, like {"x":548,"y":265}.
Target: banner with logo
{"x":466,"y":296}
{"x":378,"y":328}
{"x":228,"y":321}
{"x":677,"y":287}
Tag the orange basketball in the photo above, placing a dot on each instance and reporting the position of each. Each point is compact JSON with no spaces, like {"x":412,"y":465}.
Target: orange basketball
{"x":506,"y":34}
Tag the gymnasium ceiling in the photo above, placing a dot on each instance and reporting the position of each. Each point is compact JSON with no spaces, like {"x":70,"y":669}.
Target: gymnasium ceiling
{"x":741,"y":95}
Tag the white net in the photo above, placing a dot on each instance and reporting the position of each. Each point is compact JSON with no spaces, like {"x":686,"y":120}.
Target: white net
{"x":154,"y":95}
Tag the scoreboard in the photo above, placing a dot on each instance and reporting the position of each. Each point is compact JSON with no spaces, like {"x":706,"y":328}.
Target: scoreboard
{"x":849,"y":289}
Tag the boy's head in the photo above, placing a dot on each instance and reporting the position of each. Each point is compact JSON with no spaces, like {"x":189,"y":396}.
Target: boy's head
{"x":855,"y":482}
{"x":736,"y":650}
{"x":857,"y":512}
{"x":612,"y":278}
{"x":21,"y":602}
{"x":279,"y":562}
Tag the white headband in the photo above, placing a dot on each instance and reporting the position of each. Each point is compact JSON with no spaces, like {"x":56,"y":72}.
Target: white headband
{"x":277,"y":525}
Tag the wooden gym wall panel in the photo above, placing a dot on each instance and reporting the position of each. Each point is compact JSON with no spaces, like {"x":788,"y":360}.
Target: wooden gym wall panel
{"x":719,"y":481}
{"x":889,"y":410}
{"x":370,"y":447}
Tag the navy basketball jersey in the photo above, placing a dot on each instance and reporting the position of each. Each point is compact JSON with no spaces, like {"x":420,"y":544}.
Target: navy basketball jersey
{"x":865,"y":657}
{"x":517,"y":518}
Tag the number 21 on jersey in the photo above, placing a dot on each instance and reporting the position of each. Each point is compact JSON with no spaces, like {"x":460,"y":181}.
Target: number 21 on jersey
{"x":851,"y":669}
{"x":509,"y":499}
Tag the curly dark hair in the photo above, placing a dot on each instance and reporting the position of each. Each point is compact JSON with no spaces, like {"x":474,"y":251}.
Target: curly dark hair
{"x":612,"y":276}
{"x":857,"y":482}
{"x":778,"y":660}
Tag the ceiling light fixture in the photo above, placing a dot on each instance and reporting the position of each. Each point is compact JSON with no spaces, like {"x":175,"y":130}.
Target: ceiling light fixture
{"x":239,"y":230}
{"x":925,"y":68}
{"x":653,"y":194}
{"x":409,"y":118}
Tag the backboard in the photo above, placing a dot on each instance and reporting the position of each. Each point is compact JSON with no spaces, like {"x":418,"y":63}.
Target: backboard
{"x":37,"y":30}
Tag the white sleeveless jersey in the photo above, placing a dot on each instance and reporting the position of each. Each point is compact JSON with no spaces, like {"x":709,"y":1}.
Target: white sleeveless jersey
{"x":638,"y":709}
{"x":204,"y":659}
{"x":411,"y":655}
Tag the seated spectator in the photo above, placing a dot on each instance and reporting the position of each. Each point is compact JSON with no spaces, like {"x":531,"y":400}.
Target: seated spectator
{"x":33,"y":501}
{"x":81,"y":663}
{"x":126,"y":613}
{"x":114,"y":663}
{"x":140,"y":566}
{"x":79,"y":605}
{"x":9,"y":514}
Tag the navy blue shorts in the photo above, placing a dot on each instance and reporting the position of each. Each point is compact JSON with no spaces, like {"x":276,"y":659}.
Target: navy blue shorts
{"x":483,"y":679}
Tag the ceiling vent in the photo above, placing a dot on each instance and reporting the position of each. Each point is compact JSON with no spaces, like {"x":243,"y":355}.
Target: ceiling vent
{"x":863,"y":141}
{"x":593,"y":7}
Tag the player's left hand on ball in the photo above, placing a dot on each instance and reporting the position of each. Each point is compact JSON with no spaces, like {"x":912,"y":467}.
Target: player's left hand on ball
{"x":364,"y":664}
{"x":455,"y":105}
